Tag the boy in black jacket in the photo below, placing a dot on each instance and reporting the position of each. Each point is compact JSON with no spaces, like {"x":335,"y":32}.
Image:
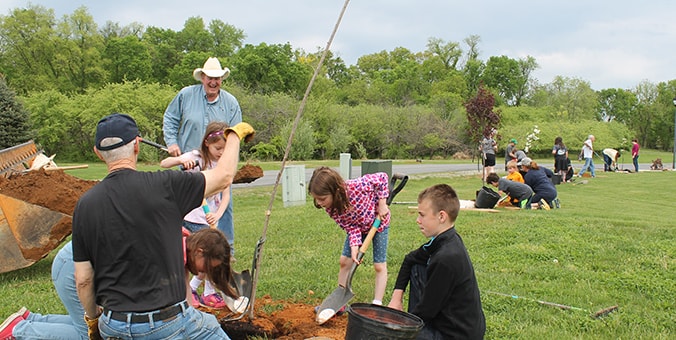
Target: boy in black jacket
{"x":444,"y":292}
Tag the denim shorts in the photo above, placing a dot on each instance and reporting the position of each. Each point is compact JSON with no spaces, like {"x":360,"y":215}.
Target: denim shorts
{"x":193,"y":227}
{"x":379,"y":246}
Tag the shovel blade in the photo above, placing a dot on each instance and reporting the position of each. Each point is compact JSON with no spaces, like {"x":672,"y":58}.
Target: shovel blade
{"x":333,"y":303}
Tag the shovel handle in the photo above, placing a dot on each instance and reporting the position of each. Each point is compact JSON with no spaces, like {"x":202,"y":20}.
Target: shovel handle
{"x":151,"y":143}
{"x":369,"y":237}
{"x":206,"y":209}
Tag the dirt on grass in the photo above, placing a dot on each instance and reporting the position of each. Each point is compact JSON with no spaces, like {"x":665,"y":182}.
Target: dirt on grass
{"x":273,"y":319}
{"x":282,"y":320}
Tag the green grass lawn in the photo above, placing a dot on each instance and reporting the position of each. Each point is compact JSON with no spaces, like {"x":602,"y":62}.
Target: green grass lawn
{"x":613,"y":242}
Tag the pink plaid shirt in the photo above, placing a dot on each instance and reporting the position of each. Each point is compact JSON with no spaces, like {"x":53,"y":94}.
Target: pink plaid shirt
{"x":363,"y":193}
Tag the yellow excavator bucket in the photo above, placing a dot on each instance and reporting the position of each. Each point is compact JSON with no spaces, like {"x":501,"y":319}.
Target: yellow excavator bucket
{"x":28,"y":232}
{"x":17,"y":158}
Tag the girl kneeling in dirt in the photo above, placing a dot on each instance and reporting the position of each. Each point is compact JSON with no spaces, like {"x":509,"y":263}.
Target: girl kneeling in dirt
{"x":354,"y":205}
{"x":203,"y":217}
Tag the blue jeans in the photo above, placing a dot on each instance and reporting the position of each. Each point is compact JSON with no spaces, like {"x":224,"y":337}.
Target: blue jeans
{"x":588,"y":164}
{"x":636,"y":163}
{"x":227,"y":226}
{"x":188,"y":324}
{"x":71,"y":326}
{"x":379,"y":246}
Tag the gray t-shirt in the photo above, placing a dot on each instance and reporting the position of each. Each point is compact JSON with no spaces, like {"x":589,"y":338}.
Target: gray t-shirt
{"x":515,"y":189}
{"x":488,"y":146}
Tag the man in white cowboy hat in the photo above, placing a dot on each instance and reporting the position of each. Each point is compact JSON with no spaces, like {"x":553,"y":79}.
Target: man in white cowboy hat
{"x":189,"y":113}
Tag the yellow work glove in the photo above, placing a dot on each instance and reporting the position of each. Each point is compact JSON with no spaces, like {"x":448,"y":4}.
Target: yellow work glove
{"x":93,"y":328}
{"x":244,"y":131}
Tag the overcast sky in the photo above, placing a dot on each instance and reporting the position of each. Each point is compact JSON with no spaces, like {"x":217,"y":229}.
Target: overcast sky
{"x":611,"y":44}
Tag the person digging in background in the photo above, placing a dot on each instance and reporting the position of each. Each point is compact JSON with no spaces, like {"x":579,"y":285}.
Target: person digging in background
{"x":354,"y":205}
{"x":513,"y":174}
{"x":587,"y":154}
{"x":444,"y":291}
{"x":129,"y":273}
{"x":188,"y":114}
{"x":610,"y":157}
{"x":519,"y":194}
{"x":538,"y":180}
{"x":206,"y":157}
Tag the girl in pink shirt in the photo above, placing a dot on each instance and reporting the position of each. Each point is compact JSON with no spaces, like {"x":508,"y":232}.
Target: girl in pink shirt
{"x":354,"y":205}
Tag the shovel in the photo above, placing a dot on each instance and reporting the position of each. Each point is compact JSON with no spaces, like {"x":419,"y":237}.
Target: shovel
{"x":342,"y":295}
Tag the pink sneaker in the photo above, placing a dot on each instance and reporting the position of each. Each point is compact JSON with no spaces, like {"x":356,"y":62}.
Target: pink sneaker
{"x":213,"y":301}
{"x":196,"y":299}
{"x":8,"y":325}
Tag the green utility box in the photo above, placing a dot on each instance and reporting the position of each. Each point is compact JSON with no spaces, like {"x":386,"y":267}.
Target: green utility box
{"x":293,"y":185}
{"x":373,"y":166}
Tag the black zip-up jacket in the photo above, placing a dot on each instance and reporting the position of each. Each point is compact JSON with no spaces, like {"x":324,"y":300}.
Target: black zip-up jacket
{"x":450,"y":302}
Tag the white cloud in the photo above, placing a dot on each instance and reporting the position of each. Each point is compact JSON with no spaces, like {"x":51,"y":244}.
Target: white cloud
{"x":608,"y":43}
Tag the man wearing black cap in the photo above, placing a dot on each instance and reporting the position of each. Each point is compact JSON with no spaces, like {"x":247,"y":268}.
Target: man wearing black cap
{"x":129,"y":269}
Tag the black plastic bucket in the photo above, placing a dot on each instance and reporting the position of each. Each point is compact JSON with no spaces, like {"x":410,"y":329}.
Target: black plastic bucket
{"x":374,"y":322}
{"x":486,"y":198}
{"x":556,"y":179}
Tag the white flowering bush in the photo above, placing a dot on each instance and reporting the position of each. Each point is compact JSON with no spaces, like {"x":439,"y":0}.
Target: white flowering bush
{"x":532,"y":140}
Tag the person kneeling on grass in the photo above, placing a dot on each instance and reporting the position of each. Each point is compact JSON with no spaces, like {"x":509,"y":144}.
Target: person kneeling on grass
{"x":519,"y":193}
{"x":444,"y":291}
{"x":538,"y":179}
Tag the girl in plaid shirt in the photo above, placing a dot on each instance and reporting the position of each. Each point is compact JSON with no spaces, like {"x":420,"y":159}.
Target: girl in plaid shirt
{"x":354,"y":205}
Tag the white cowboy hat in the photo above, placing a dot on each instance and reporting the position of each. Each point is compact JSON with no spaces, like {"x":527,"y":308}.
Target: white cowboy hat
{"x":212,"y":68}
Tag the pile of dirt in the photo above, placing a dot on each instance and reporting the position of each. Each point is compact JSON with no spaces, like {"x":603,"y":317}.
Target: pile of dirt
{"x":247,"y":174}
{"x":288,"y":321}
{"x":52,"y":189}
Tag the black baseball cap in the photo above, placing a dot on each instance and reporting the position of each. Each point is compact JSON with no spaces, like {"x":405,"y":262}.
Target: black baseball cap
{"x":116,"y":125}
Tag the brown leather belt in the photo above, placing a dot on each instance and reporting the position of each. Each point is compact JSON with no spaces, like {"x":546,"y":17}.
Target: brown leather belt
{"x":160,"y":315}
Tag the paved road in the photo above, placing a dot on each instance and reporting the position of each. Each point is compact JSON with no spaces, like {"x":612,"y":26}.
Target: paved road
{"x":270,"y":176}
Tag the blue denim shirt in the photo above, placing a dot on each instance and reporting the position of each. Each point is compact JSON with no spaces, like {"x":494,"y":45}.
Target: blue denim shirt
{"x":189,"y":113}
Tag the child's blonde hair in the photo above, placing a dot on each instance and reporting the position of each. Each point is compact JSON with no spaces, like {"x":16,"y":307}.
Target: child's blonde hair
{"x":512,"y":164}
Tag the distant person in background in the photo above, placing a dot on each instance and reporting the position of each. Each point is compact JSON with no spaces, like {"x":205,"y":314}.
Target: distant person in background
{"x":513,"y":174}
{"x":560,"y":153}
{"x":536,"y":178}
{"x":509,"y":152}
{"x":488,"y":148}
{"x":634,"y":153}
{"x":587,"y":154}
{"x":610,"y":157}
{"x":519,"y":194}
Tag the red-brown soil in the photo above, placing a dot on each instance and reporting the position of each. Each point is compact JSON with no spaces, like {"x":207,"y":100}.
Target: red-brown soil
{"x":248,"y":173}
{"x":60,"y":191}
{"x":53,"y":189}
{"x":289,"y":321}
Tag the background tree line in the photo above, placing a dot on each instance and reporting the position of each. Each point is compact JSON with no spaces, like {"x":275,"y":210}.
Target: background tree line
{"x":68,"y":72}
